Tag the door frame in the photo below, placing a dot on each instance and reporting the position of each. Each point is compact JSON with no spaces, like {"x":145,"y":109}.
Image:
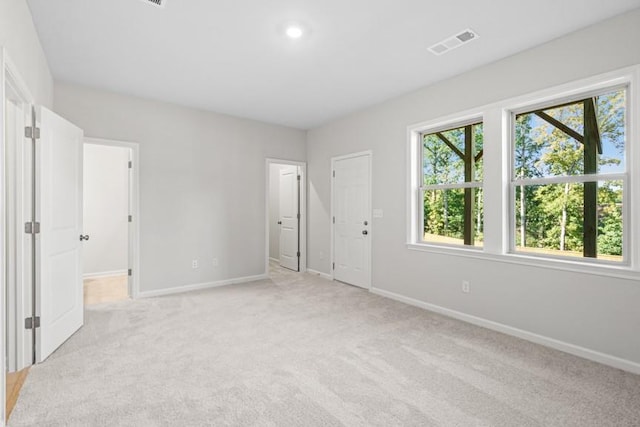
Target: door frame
{"x":9,"y":75}
{"x":303,"y":210}
{"x":369,"y":154}
{"x":134,"y":197}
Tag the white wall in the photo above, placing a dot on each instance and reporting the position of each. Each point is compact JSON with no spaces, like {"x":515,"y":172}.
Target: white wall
{"x":18,"y":35}
{"x":274,"y":208}
{"x":105,"y":209}
{"x":594,"y":312}
{"x":201,"y":182}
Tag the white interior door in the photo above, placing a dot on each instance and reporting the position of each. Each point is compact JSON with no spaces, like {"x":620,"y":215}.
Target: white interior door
{"x":289,"y":218}
{"x":351,"y":208}
{"x":59,"y":261}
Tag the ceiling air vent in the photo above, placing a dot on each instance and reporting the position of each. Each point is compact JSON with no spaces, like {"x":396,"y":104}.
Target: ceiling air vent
{"x":453,"y":42}
{"x":159,"y":3}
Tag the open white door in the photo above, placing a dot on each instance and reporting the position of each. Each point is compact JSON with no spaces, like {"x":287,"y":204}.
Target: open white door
{"x":351,"y":209}
{"x":59,"y":212}
{"x":289,"y":218}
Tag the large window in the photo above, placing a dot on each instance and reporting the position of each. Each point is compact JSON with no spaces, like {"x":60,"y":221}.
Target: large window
{"x":569,"y":175}
{"x":549,"y":179}
{"x":452,"y":185}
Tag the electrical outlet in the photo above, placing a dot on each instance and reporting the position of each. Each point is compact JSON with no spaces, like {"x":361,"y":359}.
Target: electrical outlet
{"x":466,"y":286}
{"x":215,"y":262}
{"x":194,"y":263}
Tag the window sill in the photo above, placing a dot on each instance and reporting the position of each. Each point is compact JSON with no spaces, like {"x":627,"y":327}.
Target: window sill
{"x":606,"y":270}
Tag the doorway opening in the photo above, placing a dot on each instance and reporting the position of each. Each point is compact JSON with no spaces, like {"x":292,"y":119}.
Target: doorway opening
{"x":110,"y":261}
{"x":285,"y":246}
{"x":106,"y":213}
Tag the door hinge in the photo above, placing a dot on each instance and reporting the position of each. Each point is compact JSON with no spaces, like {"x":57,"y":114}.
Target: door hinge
{"x":130,"y":164}
{"x":334,"y":265}
{"x":32,"y":227}
{"x":130,"y":272}
{"x":334,"y":174}
{"x":298,"y":254}
{"x":334,"y":219}
{"x":29,"y":321}
{"x":298,"y":216}
{"x":130,"y":218}
{"x":298,"y":177}
{"x":32,"y":132}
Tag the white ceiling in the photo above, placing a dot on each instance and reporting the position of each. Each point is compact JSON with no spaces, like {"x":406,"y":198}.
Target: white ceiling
{"x":231,"y":56}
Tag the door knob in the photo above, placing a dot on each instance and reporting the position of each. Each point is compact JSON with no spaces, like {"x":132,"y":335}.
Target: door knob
{"x":279,"y":222}
{"x":365,"y":232}
{"x":85,"y":237}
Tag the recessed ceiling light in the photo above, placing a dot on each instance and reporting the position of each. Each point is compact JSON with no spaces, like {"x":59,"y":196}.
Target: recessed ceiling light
{"x":294,"y":31}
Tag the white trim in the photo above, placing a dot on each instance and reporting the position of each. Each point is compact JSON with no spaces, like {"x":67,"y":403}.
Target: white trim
{"x":134,"y":234}
{"x":303,"y":210}
{"x":319,"y":273}
{"x":601,"y":268}
{"x":201,"y":286}
{"x":573,"y":178}
{"x":450,"y":121}
{"x":368,"y":153}
{"x":19,"y":84}
{"x":352,"y":155}
{"x":632,"y":245}
{"x":573,"y":349}
{"x":104,"y":274}
{"x":3,"y":239}
{"x":274,"y":259}
{"x":454,"y":186}
{"x":413,"y":184}
{"x":22,"y":189}
{"x":11,"y":77}
{"x":568,"y":92}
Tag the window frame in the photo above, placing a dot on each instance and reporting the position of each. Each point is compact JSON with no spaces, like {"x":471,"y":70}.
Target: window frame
{"x":498,"y":217}
{"x":578,"y":178}
{"x":422,"y":188}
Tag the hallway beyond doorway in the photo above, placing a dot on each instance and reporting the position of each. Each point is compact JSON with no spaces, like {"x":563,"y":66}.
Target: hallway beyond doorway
{"x":100,"y":290}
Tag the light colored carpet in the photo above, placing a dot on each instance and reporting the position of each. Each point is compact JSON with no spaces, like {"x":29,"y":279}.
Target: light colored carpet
{"x":299,"y":350}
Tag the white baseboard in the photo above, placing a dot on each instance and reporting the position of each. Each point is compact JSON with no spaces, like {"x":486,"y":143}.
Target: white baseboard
{"x":274,"y":259}
{"x":200,"y":286}
{"x":319,"y":273}
{"x":105,"y":274}
{"x":605,"y":359}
